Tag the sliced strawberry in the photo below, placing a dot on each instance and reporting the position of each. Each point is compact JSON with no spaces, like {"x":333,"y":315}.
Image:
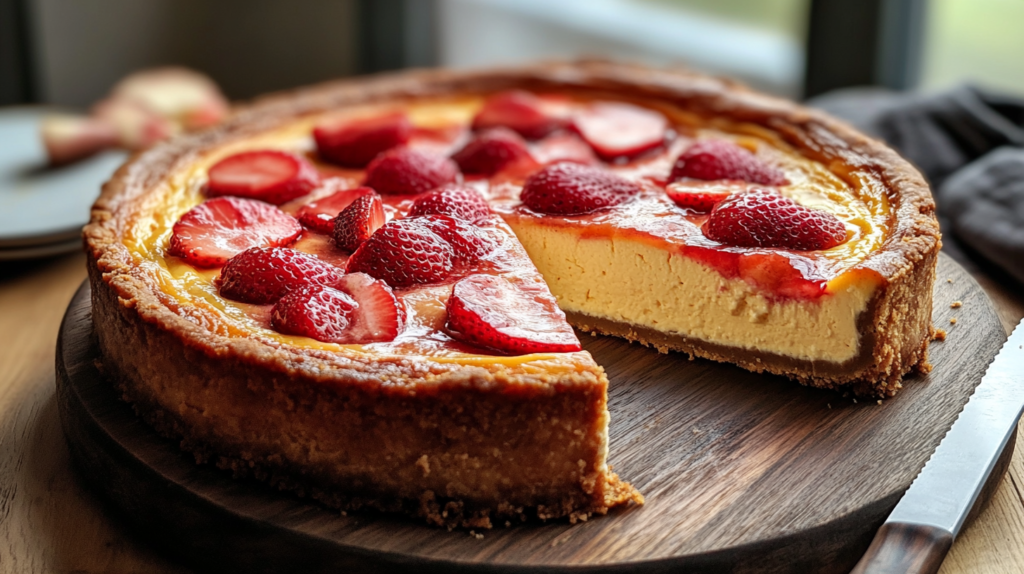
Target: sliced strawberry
{"x":516,"y":318}
{"x":775,"y":273}
{"x":354,"y":143}
{"x":764,"y":218}
{"x":723,"y":159}
{"x":409,"y":171}
{"x":469,"y":243}
{"x":214,"y":231}
{"x":617,"y":130}
{"x":380,"y":315}
{"x":519,"y":111}
{"x":699,"y":196}
{"x":268,"y":175}
{"x":357,"y":222}
{"x":574,"y":189}
{"x":319,"y":215}
{"x":322,"y":313}
{"x":491,"y":151}
{"x":263,"y":275}
{"x":403,"y":252}
{"x":563,"y":146}
{"x":456,"y":201}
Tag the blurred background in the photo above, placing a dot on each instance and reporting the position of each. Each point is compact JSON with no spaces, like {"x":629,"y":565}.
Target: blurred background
{"x":70,"y":52}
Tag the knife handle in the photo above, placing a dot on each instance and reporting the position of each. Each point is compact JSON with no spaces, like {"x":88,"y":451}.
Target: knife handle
{"x":905,"y":549}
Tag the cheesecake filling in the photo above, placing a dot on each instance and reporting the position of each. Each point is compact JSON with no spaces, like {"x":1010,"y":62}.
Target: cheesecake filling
{"x":621,"y":279}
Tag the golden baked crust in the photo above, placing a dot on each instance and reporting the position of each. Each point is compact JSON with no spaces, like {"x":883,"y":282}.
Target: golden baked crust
{"x":205,"y":388}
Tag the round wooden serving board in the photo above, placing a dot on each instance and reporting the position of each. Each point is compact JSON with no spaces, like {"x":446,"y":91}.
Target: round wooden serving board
{"x":742,"y":472}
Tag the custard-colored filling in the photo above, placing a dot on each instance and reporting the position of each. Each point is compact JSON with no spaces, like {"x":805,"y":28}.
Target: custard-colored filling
{"x":675,"y":294}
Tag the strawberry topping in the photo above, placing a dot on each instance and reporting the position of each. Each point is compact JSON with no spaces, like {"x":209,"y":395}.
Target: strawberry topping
{"x":456,"y":201}
{"x":268,"y":175}
{"x":319,"y":215}
{"x":574,"y":189}
{"x":322,"y":313}
{"x":776,"y":274}
{"x":380,"y":315}
{"x":515,"y":318}
{"x":354,"y":143}
{"x":763,"y":218}
{"x":403,"y":252}
{"x":469,"y":243}
{"x":698,"y":196}
{"x":214,"y":231}
{"x":563,"y":146}
{"x":723,"y":159}
{"x":357,"y":222}
{"x":519,"y":111}
{"x":617,"y":130}
{"x":409,"y":171}
{"x":491,"y":151}
{"x":263,"y":275}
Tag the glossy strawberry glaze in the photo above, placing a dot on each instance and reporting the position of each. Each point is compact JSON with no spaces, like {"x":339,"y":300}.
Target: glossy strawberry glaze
{"x":442,"y":126}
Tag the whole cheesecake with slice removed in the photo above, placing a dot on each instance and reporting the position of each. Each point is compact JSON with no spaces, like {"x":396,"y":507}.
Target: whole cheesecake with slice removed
{"x":365,"y":291}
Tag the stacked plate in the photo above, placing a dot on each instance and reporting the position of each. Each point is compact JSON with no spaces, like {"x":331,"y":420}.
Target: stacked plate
{"x":43,"y":209}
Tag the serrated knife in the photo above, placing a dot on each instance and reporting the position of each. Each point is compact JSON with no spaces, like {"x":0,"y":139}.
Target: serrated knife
{"x":917,"y":535}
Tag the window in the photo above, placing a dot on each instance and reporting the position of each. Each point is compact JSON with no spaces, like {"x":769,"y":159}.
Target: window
{"x":974,"y":40}
{"x":758,"y":41}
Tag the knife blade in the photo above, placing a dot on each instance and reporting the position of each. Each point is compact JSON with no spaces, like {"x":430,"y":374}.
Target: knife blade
{"x":920,"y":530}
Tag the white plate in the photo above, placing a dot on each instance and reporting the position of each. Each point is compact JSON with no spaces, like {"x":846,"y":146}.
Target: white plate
{"x":40,"y":206}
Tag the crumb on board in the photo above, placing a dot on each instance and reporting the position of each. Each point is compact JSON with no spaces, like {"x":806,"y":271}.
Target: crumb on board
{"x":477,"y":535}
{"x":879,"y":401}
{"x":854,"y":401}
{"x":940,"y":334}
{"x":829,"y":405}
{"x":956,"y":304}
{"x":949,"y":280}
{"x":952,"y":321}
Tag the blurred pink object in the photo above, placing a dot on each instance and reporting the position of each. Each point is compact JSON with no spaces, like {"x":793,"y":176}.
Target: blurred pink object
{"x":142,"y":109}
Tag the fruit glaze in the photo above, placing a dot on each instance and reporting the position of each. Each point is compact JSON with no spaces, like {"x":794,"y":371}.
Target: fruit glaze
{"x":382,"y":212}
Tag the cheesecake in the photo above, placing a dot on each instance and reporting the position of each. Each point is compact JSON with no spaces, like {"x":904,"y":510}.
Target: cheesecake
{"x":364,"y":291}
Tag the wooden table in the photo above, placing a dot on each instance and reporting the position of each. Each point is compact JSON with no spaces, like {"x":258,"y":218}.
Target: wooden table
{"x":49,"y":523}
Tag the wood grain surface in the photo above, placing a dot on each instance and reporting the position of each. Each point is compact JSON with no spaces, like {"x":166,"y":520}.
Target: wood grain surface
{"x":742,"y":472}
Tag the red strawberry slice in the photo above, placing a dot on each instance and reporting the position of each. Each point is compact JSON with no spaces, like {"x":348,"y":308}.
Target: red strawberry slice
{"x":617,"y":130}
{"x":492,"y":151}
{"x":268,"y":175}
{"x":469,"y":243}
{"x":763,"y":218}
{"x":723,"y":159}
{"x":403,"y":252}
{"x":515,"y":318}
{"x":319,"y":215}
{"x":409,"y":171}
{"x":263,"y":275}
{"x":775,"y":273}
{"x":456,"y":201}
{"x":701,"y":196}
{"x":214,"y":231}
{"x":380,"y":315}
{"x":517,"y":110}
{"x":357,"y":222}
{"x":563,"y":146}
{"x":322,"y":313}
{"x":354,"y":143}
{"x":574,"y":189}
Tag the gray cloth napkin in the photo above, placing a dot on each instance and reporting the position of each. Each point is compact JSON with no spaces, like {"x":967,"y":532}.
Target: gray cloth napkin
{"x":969,"y":144}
